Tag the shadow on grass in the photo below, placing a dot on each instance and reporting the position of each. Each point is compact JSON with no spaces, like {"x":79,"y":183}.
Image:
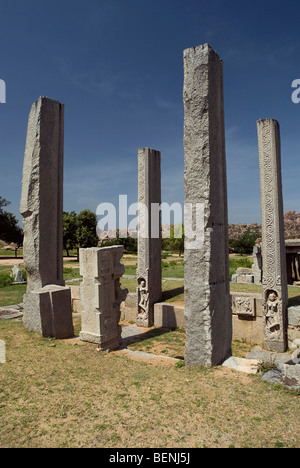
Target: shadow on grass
{"x":172,"y":293}
{"x":154,"y":333}
{"x":294,"y":301}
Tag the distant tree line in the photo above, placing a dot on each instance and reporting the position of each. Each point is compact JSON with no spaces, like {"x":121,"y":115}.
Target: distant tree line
{"x":79,"y":231}
{"x":10,"y":232}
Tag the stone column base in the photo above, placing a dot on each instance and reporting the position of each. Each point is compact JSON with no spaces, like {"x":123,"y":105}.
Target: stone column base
{"x":48,"y":311}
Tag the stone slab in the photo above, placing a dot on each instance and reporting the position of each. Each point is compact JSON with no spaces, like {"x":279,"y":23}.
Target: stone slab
{"x":9,"y":313}
{"x":168,"y":315}
{"x":48,"y":311}
{"x":2,"y":352}
{"x":269,"y":356}
{"x":248,"y":366}
{"x":294,"y":316}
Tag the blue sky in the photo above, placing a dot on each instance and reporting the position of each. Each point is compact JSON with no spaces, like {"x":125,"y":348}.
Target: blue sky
{"x":117,"y":65}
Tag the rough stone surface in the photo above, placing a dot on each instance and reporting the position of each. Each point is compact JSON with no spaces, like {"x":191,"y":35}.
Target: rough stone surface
{"x":47,"y":304}
{"x":168,"y":315}
{"x":101,"y":296}
{"x":257,"y":264}
{"x":248,"y":366}
{"x":9,"y":313}
{"x":149,"y":288}
{"x":274,"y":279}
{"x":269,"y":357}
{"x":42,"y":195}
{"x":2,"y":352}
{"x":288,"y":376}
{"x":48,"y":311}
{"x":294,"y":316}
{"x":17,"y":273}
{"x":206,"y":275}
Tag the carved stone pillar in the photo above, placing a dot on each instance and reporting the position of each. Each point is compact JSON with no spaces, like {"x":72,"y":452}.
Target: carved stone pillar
{"x":149,"y":235}
{"x":274,"y":281}
{"x":101,"y":296}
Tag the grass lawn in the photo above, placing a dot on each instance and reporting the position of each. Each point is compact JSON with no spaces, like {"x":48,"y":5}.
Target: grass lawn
{"x":55,"y":394}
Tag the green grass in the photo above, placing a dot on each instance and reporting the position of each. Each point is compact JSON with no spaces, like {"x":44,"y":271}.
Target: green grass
{"x":71,"y":273}
{"x":11,"y":295}
{"x":11,"y":253}
{"x":172,"y":290}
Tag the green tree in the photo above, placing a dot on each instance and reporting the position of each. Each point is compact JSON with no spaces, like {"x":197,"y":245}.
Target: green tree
{"x":175,"y":243}
{"x":245,"y":244}
{"x":129,"y":243}
{"x":80,"y":230}
{"x":69,"y":231}
{"x":9,"y":229}
{"x":86,"y":235}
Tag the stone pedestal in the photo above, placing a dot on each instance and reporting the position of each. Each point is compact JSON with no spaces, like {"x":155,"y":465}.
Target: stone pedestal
{"x":274,"y":280}
{"x":101,"y":296}
{"x":47,"y":311}
{"x":149,"y":288}
{"x":206,"y":275}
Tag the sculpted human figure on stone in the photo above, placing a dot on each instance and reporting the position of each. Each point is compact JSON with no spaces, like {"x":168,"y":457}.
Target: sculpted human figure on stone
{"x":143,"y":300}
{"x":272,"y":319}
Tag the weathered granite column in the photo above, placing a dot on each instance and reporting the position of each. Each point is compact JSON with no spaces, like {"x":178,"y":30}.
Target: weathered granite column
{"x":149,"y":288}
{"x":206,"y":274}
{"x":274,"y":280}
{"x":101,"y":296}
{"x":47,"y":303}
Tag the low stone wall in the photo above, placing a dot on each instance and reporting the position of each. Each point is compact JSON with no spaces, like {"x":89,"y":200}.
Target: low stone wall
{"x":76,"y":302}
{"x":247,"y":315}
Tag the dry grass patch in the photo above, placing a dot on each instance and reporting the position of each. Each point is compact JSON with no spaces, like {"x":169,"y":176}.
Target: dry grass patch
{"x":57,"y":394}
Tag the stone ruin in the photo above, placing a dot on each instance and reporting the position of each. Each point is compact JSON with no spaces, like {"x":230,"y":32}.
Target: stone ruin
{"x":149,"y":276}
{"x":207,"y":312}
{"x":206,"y":273}
{"x":274,"y":280}
{"x":17,"y":274}
{"x":101,"y":296}
{"x":47,"y":302}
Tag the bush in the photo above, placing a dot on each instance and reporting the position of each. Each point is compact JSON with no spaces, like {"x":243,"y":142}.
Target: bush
{"x":5,"y":279}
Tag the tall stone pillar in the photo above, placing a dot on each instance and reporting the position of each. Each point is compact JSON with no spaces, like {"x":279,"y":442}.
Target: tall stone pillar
{"x":149,"y":288}
{"x":42,"y":195}
{"x":206,"y":274}
{"x":101,"y":296}
{"x":47,"y":303}
{"x":274,"y":280}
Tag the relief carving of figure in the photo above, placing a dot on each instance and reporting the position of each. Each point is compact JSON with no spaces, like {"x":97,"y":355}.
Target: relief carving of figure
{"x":143,"y":300}
{"x":243,"y":306}
{"x":272,"y":313}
